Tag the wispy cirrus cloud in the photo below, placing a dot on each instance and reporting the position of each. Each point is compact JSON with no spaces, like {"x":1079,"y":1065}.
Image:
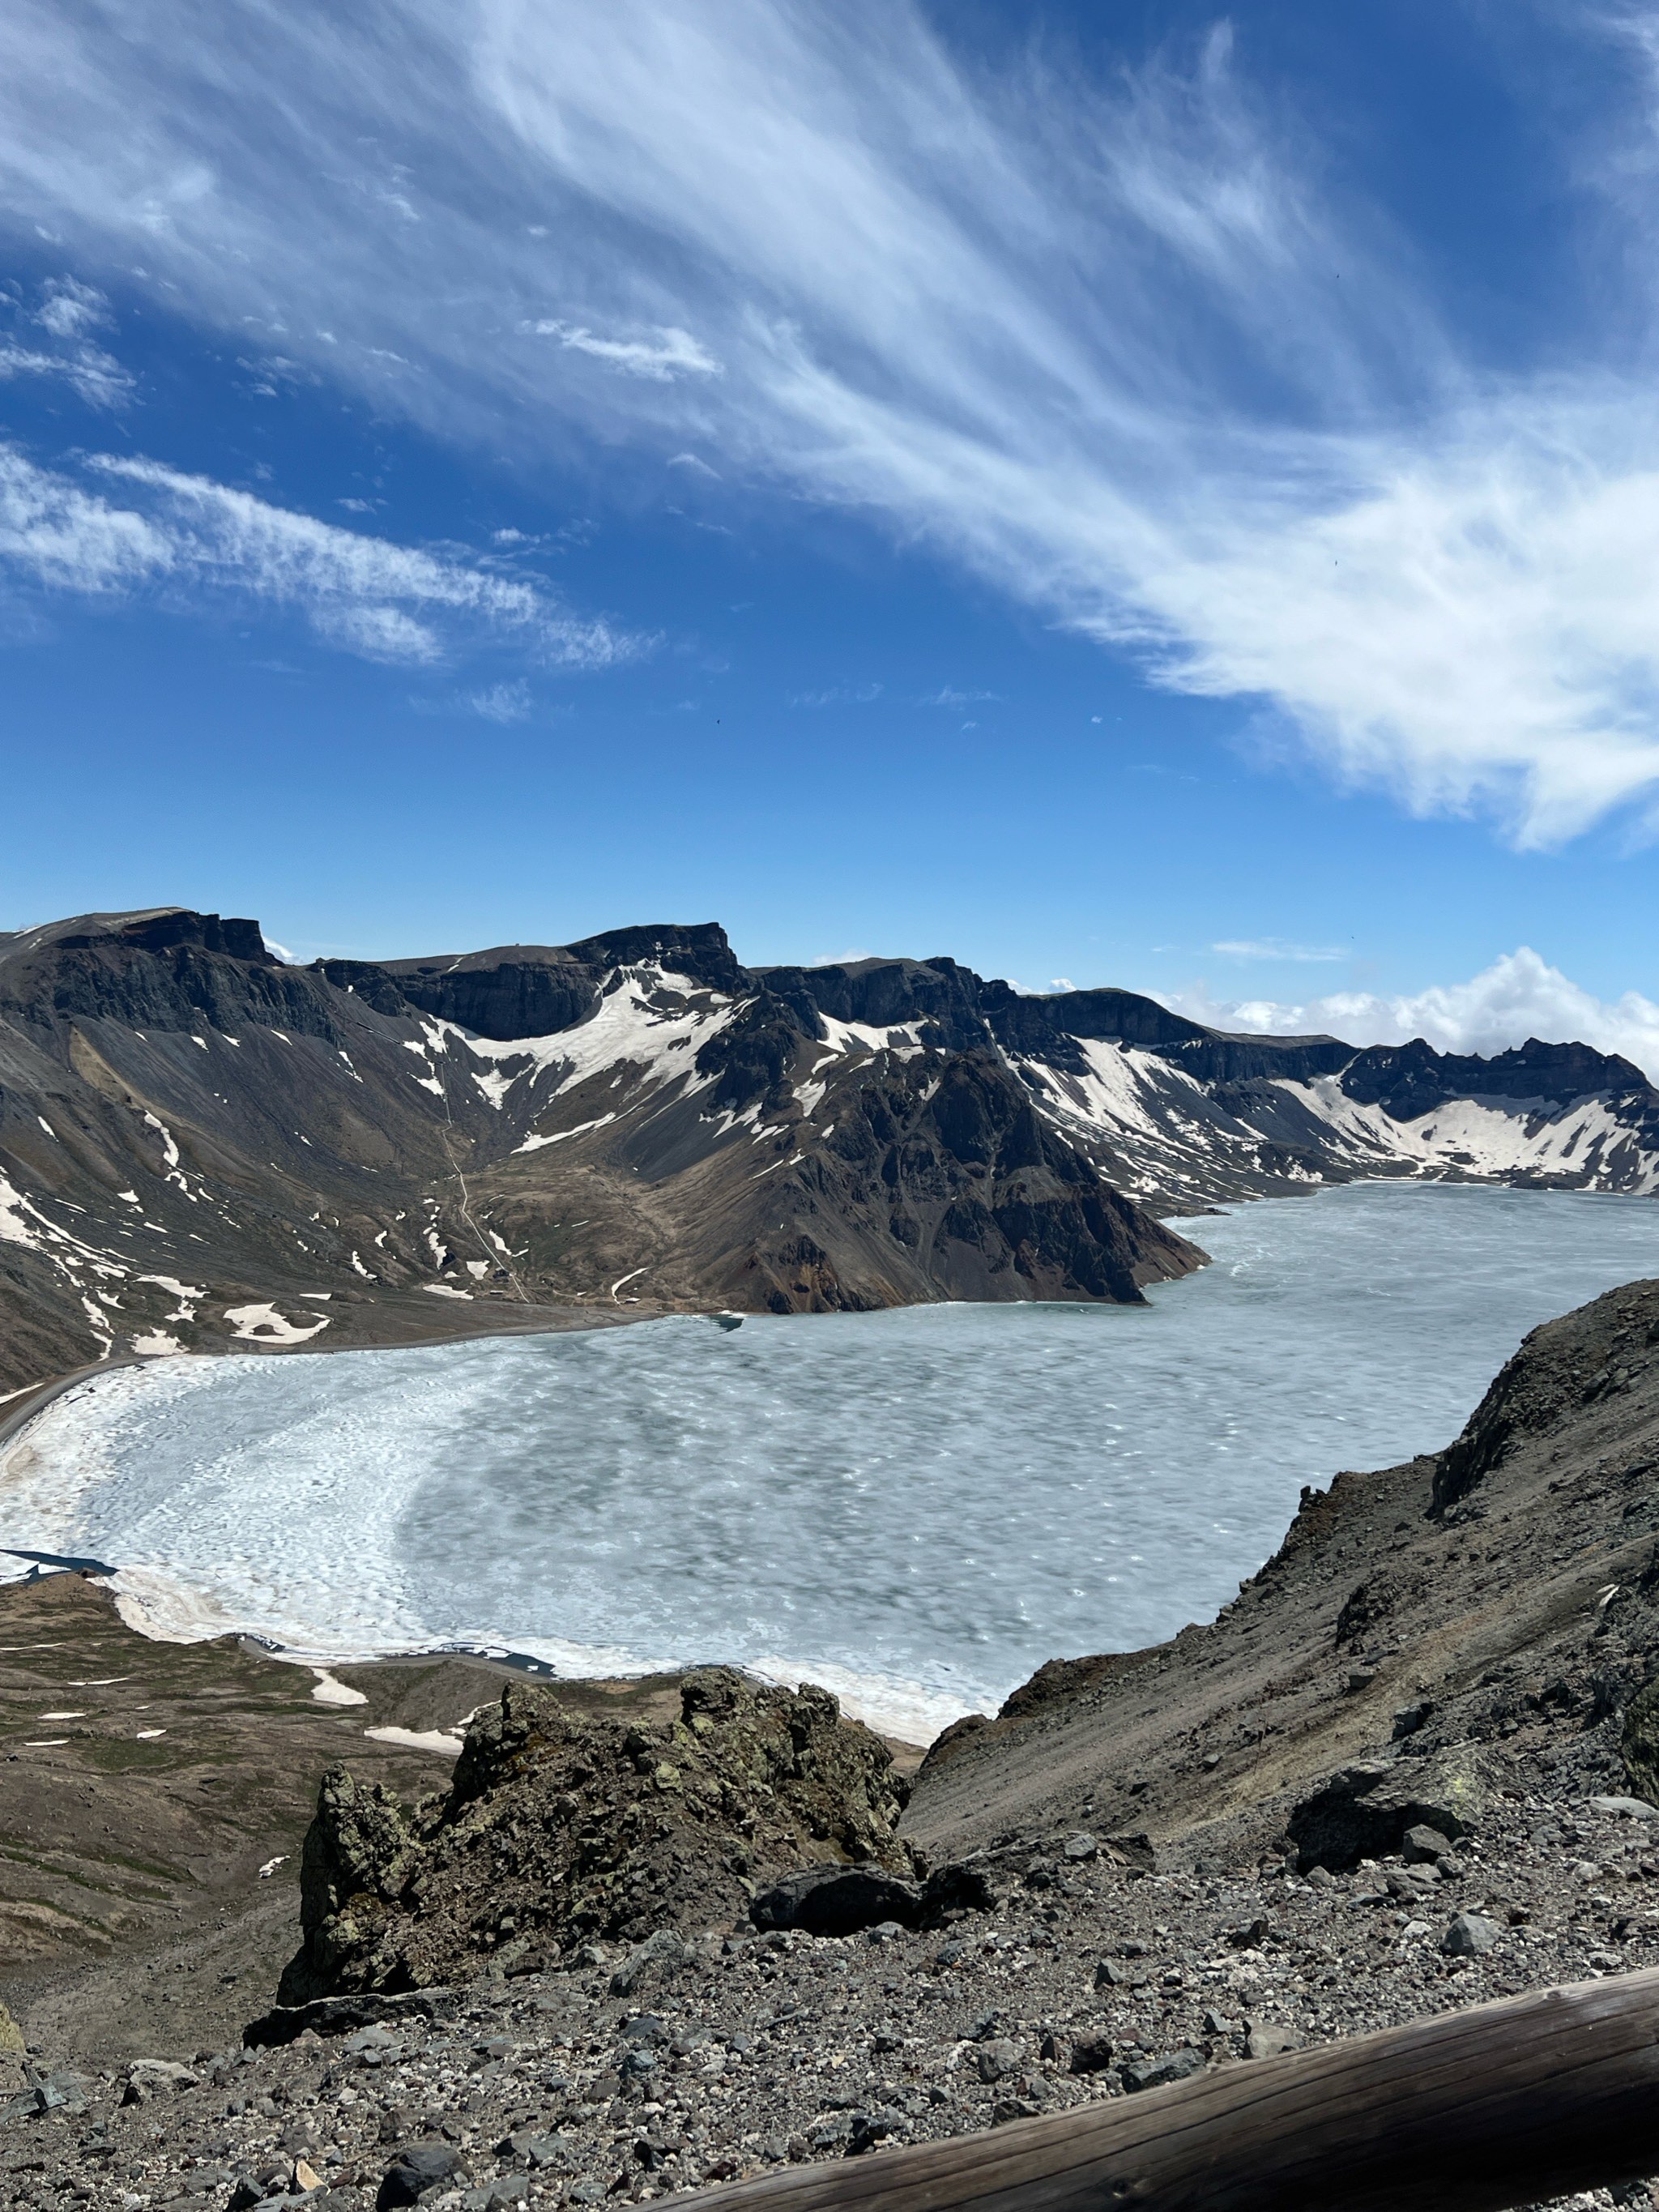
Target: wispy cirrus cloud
{"x":1081,"y":333}
{"x":838,"y":695}
{"x":1518,"y":996}
{"x":659,"y":357}
{"x":1275,"y":948}
{"x":131,"y":524}
{"x":68,"y":312}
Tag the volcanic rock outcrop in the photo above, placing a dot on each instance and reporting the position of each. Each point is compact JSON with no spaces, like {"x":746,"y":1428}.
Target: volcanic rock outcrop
{"x":558,"y":1830}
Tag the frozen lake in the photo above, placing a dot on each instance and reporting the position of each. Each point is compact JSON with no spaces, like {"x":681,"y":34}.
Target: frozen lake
{"x":917,"y":1508}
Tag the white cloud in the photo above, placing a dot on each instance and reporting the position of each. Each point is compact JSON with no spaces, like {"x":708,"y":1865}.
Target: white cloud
{"x":660,"y":358}
{"x":501,"y":702}
{"x":163,"y":528}
{"x":1275,"y":948}
{"x":838,"y":695}
{"x":69,"y":309}
{"x":68,"y":312}
{"x":1122,"y":344}
{"x":948,"y":697}
{"x":1519,"y":996}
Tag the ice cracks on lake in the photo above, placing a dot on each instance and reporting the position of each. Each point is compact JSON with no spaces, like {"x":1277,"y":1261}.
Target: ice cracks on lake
{"x":916,"y":1508}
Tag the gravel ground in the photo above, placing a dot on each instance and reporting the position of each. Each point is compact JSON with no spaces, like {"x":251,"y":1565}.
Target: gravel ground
{"x":1092,"y":1980}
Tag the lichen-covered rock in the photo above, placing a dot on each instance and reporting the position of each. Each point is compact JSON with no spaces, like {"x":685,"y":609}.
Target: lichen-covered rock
{"x":1367,"y":1810}
{"x":557,"y":1830}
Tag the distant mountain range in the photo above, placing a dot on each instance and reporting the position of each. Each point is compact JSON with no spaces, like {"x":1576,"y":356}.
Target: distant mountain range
{"x":204,"y":1147}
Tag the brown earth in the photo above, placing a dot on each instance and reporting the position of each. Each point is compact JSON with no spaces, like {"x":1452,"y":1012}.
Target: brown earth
{"x":132,"y":1908}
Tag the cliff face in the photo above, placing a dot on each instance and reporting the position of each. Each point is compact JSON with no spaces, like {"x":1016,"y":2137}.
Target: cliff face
{"x":1483,"y":1620}
{"x":200,"y":1146}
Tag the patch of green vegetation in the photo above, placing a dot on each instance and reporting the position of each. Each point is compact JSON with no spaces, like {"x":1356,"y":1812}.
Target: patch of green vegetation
{"x":46,"y":1864}
{"x":113,"y":1754}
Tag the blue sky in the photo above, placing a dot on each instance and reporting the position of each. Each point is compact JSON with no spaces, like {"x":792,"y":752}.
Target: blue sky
{"x":1114,"y":494}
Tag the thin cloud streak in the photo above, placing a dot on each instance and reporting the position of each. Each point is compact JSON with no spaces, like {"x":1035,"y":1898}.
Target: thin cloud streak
{"x":1084,"y":338}
{"x":1274,"y":948}
{"x":163,"y":530}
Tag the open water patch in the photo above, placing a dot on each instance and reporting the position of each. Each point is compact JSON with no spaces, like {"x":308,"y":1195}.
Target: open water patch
{"x":916,"y":1508}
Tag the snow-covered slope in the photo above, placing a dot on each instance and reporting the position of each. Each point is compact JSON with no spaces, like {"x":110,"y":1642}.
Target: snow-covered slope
{"x":201,"y":1147}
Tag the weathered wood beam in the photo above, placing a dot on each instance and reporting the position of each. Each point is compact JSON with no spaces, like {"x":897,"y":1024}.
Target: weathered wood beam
{"x":1474,"y":2110}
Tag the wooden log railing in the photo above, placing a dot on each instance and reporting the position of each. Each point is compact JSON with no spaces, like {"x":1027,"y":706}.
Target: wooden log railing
{"x":1500,"y":2104}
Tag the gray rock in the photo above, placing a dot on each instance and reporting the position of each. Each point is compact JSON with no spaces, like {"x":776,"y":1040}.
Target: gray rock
{"x":1092,"y":2054}
{"x":1269,"y":2038}
{"x":1109,"y":1976}
{"x":1000,"y":2057}
{"x":1423,"y":1842}
{"x":662,"y":1955}
{"x":1469,"y":1934}
{"x":1157,"y":2073}
{"x":416,"y":2168}
{"x":1080,"y":1848}
{"x":1632,"y":1809}
{"x":372,"y":2047}
{"x":1365,"y":1811}
{"x":151,"y":2077}
{"x":838,"y":1901}
{"x":872,"y":2127}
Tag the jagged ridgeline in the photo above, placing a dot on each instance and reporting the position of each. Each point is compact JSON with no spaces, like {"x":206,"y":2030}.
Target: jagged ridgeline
{"x":201,"y":1144}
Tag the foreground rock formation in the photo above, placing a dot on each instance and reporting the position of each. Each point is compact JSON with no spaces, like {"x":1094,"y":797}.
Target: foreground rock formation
{"x":558,"y":1829}
{"x":202,"y":1147}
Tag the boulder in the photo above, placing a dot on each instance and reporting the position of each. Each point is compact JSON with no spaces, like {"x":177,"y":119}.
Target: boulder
{"x":1629,"y":1808}
{"x":840,"y":1900}
{"x":153,"y":2077}
{"x":659,"y":1957}
{"x":1470,"y":1935}
{"x":339,"y":2015}
{"x":1366,"y":1811}
{"x":837,"y":1900}
{"x":1157,"y":2073}
{"x":416,"y":2168}
{"x":998,"y":2057}
{"x":1269,"y":2038}
{"x":1092,"y":2054}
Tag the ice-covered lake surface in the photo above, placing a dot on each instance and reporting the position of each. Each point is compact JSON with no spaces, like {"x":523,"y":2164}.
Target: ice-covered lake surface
{"x":917,"y":1508}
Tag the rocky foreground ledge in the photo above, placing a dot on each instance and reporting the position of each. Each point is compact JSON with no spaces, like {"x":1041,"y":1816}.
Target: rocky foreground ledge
{"x":1412,"y":1769}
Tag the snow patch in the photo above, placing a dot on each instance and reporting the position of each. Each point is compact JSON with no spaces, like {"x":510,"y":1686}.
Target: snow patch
{"x":434,"y":1739}
{"x":327,"y":1692}
{"x":263,"y":1324}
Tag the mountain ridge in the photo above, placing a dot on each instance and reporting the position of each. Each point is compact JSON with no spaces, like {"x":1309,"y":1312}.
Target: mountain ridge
{"x":204,"y":1147}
